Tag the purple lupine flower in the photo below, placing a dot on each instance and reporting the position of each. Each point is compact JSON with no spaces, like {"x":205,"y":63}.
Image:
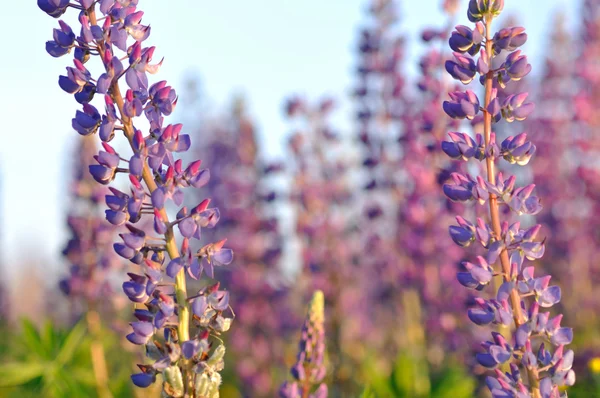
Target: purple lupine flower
{"x":157,"y":181}
{"x":463,"y":39}
{"x":520,"y":297}
{"x":462,"y":104}
{"x":309,"y":370}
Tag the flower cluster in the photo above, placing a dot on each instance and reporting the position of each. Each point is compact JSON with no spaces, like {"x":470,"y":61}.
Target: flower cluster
{"x":186,"y":356}
{"x":521,"y":297}
{"x":309,"y":370}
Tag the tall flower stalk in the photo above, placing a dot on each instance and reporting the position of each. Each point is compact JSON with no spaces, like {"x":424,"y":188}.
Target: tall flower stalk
{"x":309,"y":369}
{"x":189,"y":356}
{"x":521,"y":296}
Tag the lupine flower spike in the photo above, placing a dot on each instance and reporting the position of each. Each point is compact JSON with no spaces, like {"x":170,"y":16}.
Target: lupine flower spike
{"x":189,"y":354}
{"x":536,"y":357}
{"x":309,"y":370}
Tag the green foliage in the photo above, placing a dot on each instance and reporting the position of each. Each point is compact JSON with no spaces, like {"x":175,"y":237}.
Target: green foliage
{"x":45,"y":361}
{"x":54,"y":362}
{"x":368,"y":393}
{"x":588,"y":385}
{"x":453,"y":382}
{"x":402,"y":382}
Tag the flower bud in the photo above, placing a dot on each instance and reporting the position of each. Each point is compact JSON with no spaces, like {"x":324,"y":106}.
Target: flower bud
{"x":173,"y":381}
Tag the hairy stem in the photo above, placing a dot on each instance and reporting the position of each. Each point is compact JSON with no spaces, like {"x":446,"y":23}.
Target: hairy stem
{"x":515,"y":300}
{"x":180,"y":282}
{"x":491,"y":176}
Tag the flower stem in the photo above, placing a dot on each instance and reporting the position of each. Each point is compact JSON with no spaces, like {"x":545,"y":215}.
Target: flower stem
{"x":491,"y":176}
{"x":171,"y":245}
{"x":515,"y":300}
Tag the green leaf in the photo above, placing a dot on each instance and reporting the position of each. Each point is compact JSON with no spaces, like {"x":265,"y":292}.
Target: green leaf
{"x":54,"y":387}
{"x":73,"y":386}
{"x":14,"y":374}
{"x":454,"y":383}
{"x":379,"y":384}
{"x":368,"y":393}
{"x":48,"y":336}
{"x":83,"y":376}
{"x":70,"y":344}
{"x":31,"y":338}
{"x":403,"y":376}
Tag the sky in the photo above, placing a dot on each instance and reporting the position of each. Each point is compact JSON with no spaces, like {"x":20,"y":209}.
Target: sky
{"x":266,"y":49}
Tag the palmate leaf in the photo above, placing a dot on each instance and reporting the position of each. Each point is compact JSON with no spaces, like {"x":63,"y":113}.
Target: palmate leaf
{"x":47,"y":354}
{"x":67,"y":369}
{"x":63,"y":384}
{"x":14,"y":374}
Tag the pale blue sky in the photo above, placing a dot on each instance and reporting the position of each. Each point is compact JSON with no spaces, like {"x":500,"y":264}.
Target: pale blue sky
{"x":265,"y":48}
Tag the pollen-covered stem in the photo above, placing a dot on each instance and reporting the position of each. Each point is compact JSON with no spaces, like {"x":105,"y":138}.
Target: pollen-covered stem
{"x":491,"y":175}
{"x":171,"y":246}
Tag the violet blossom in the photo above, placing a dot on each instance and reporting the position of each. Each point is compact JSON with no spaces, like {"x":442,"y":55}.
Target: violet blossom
{"x":309,"y":370}
{"x":536,"y":355}
{"x":180,"y":332}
